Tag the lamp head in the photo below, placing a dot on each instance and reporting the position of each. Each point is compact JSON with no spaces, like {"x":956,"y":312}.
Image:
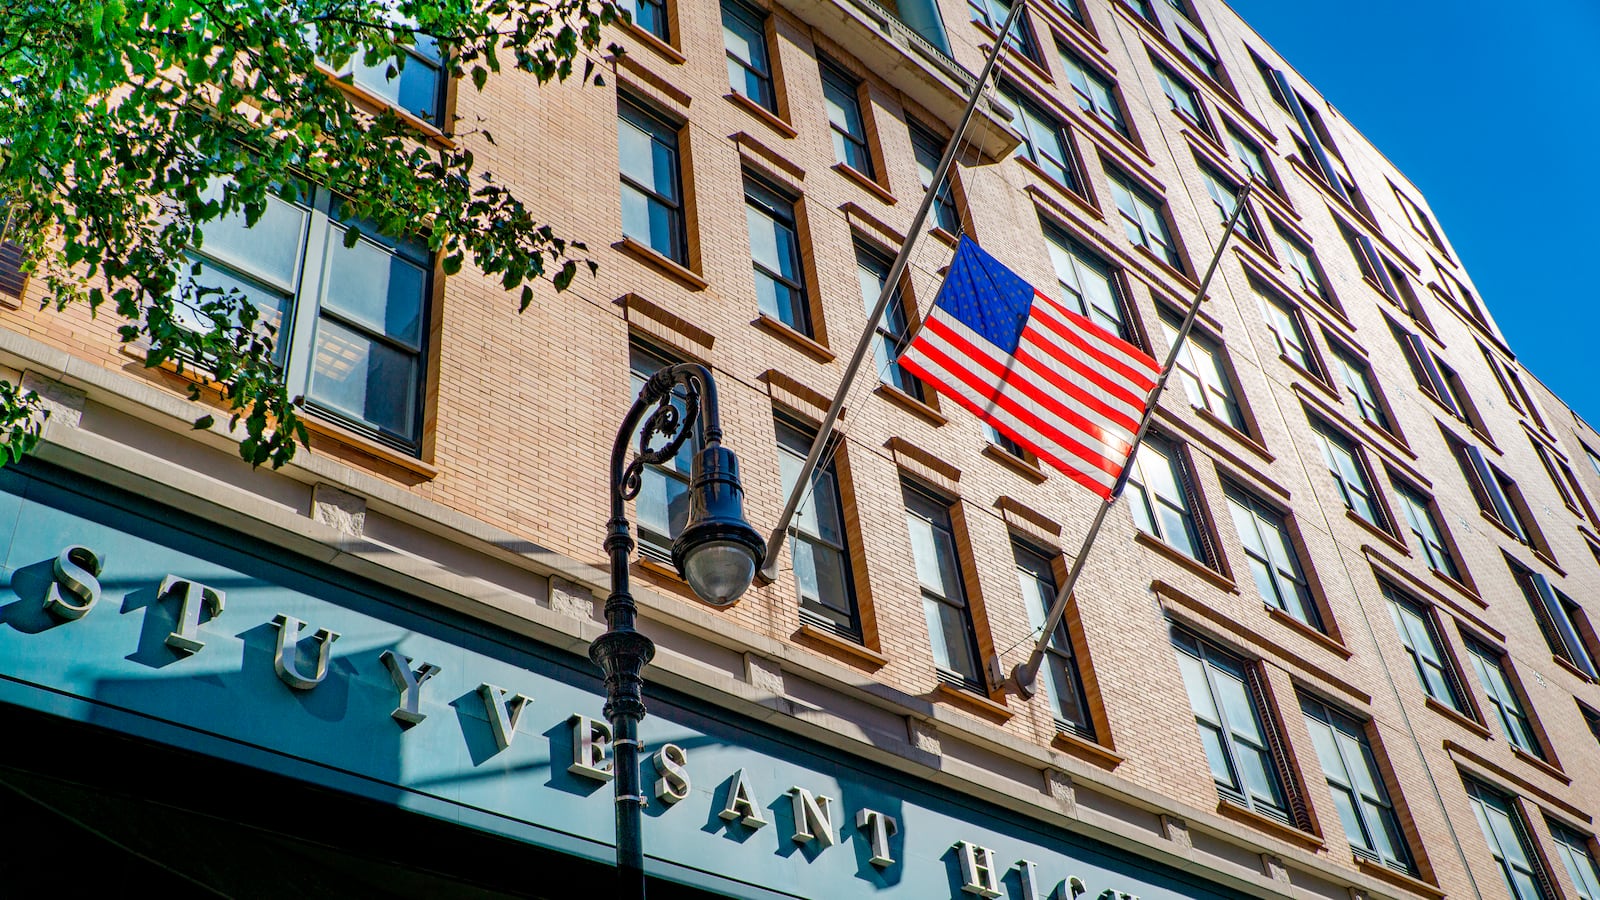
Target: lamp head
{"x":717,"y":552}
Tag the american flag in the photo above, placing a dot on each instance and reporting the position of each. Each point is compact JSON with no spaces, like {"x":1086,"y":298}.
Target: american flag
{"x":1060,"y":386}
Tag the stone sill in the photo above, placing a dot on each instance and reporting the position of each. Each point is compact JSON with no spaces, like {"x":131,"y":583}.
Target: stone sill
{"x":834,"y":645}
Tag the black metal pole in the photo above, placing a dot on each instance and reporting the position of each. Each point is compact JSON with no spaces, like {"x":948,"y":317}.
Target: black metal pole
{"x":622,"y":652}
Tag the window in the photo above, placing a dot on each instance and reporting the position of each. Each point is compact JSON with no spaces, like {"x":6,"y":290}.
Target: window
{"x":650,"y":15}
{"x":775,"y":255}
{"x":1002,"y":442}
{"x":1044,"y":141}
{"x":1071,"y":9}
{"x":1200,"y":55}
{"x":944,"y":601}
{"x":1508,"y":712}
{"x":1159,"y":497}
{"x":744,"y":38}
{"x":1415,"y":625}
{"x":1369,"y":819}
{"x":1591,"y":719}
{"x":1349,"y":475}
{"x":1594,"y":459}
{"x":351,"y":321}
{"x":1300,"y":261}
{"x":1558,"y":616}
{"x":1203,"y":371}
{"x":1283,"y":320}
{"x":1428,"y":371}
{"x":1065,"y":688}
{"x":12,"y":280}
{"x":1143,"y":222}
{"x":841,"y":93}
{"x":663,"y":502}
{"x":1224,"y":195}
{"x":1249,"y":154}
{"x":1182,"y":97}
{"x":1357,"y":380}
{"x":1273,"y":561}
{"x":1574,"y":851}
{"x":414,"y":80}
{"x":1561,"y":476}
{"x":1507,"y":837}
{"x":893,"y":329}
{"x":1419,"y":516}
{"x":652,"y":181}
{"x":1227,"y":710}
{"x":928,"y":150}
{"x":1420,"y":222}
{"x":1460,"y":399}
{"x":821,"y":558}
{"x":993,"y":14}
{"x":1517,"y":396}
{"x":1087,"y":285}
{"x":1094,"y":91}
{"x":1497,"y":495}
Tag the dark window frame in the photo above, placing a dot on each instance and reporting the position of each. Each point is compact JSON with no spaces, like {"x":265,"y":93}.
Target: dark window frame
{"x":657,"y":128}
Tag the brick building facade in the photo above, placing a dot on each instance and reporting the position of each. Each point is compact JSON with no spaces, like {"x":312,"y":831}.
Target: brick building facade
{"x":1345,"y":624}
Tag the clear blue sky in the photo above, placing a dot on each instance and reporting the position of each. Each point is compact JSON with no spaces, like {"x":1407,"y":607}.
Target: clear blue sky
{"x":1493,"y":111}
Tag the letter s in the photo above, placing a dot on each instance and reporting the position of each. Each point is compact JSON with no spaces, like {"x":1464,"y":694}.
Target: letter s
{"x":76,"y":575}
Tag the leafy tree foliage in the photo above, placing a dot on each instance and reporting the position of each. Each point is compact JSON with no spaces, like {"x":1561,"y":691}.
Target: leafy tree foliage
{"x":126,"y":125}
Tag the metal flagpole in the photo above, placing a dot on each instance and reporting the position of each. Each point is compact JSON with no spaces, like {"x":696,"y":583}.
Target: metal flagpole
{"x":891,"y":284}
{"x":1022,"y":677}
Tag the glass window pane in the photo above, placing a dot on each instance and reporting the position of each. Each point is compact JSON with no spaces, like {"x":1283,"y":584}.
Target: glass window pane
{"x":374,"y":287}
{"x":364,"y":379}
{"x":270,"y":250}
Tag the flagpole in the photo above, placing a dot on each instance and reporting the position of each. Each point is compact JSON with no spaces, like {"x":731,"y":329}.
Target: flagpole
{"x":1023,"y":675}
{"x":891,"y":284}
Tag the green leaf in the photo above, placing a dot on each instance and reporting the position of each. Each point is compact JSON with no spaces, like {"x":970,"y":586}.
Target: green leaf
{"x":204,"y":423}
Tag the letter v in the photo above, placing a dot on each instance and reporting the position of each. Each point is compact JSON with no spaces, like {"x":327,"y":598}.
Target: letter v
{"x":504,"y":714}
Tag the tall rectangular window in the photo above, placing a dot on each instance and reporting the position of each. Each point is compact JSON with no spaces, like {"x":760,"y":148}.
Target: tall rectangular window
{"x":944,"y":599}
{"x":1227,"y":711}
{"x":351,"y":318}
{"x":1420,"y":221}
{"x":1368,"y":816}
{"x":1143,"y":221}
{"x":775,"y":255}
{"x":1497,"y":495}
{"x":928,"y":150}
{"x":652,"y":181}
{"x":1508,"y":712}
{"x":650,"y":15}
{"x":1415,"y":625}
{"x":993,"y":14}
{"x":1297,"y":256}
{"x":1566,"y":483}
{"x":841,"y":94}
{"x":1507,"y":836}
{"x":1095,"y":92}
{"x":872,"y":270}
{"x":1573,"y":849}
{"x":1594,"y":458}
{"x":1274,"y":564}
{"x":1224,"y":196}
{"x":1283,"y":320}
{"x":1182,"y":98}
{"x":1356,"y":378}
{"x":662,"y":506}
{"x":1558,"y":617}
{"x":744,"y":39}
{"x":1249,"y":153}
{"x":414,"y":80}
{"x":1349,"y":475}
{"x":1424,"y":527}
{"x":821,"y":557}
{"x":1203,"y":371}
{"x":1158,"y":497}
{"x":1044,"y":140}
{"x":1062,"y":680}
{"x":1088,"y":286}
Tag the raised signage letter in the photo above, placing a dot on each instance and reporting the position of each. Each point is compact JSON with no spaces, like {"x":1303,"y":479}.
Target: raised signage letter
{"x":1109,"y":894}
{"x":878,"y":827}
{"x":409,"y":684}
{"x":1073,"y":887}
{"x":813,"y":818}
{"x":590,"y":738}
{"x":673,"y":785}
{"x":288,"y":647}
{"x":1028,"y":874}
{"x":186,"y":639}
{"x":76,"y":571}
{"x":977,"y":870}
{"x":741,"y":803}
{"x":504,"y":714}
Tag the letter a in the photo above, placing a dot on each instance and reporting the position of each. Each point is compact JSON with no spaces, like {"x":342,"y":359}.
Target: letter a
{"x":504,"y":713}
{"x":283,"y":660}
{"x":741,"y":803}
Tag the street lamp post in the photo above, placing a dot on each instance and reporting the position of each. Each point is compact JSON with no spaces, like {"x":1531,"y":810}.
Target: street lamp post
{"x":716,"y":553}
